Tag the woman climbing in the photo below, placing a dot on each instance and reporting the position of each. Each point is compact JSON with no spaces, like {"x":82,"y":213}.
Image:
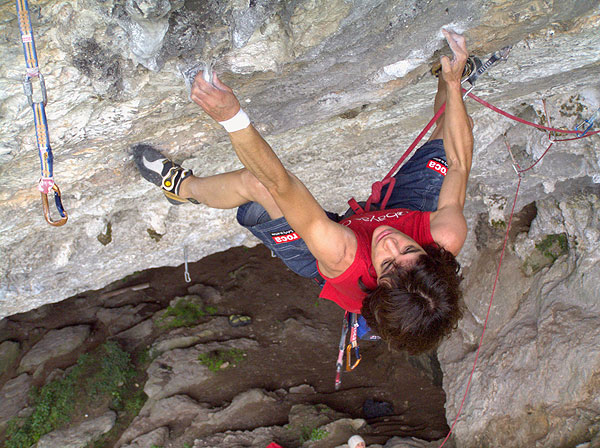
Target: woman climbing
{"x":396,"y":266}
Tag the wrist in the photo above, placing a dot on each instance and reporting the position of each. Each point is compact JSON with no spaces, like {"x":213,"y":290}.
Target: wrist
{"x":236,"y":123}
{"x":454,"y":84}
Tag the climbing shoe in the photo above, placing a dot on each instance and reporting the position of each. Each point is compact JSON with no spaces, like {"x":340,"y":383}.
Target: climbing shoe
{"x":473,"y":63}
{"x":156,"y":168}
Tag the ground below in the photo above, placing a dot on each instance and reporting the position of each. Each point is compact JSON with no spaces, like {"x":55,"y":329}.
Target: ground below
{"x":297,"y":336}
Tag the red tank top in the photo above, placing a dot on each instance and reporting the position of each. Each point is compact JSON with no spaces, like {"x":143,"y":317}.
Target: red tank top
{"x":344,"y":289}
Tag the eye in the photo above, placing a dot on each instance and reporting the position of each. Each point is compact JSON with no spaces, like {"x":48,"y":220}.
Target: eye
{"x":409,"y":250}
{"x":386,"y":265}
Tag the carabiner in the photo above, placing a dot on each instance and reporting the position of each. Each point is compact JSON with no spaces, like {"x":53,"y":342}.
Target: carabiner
{"x":353,"y":323}
{"x":28,"y":88}
{"x":586,"y":125}
{"x":349,"y":365}
{"x":59,"y":207}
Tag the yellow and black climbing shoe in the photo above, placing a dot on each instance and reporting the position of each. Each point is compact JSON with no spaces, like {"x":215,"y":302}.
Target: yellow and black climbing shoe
{"x":239,"y":320}
{"x":472,"y":64}
{"x":156,"y":168}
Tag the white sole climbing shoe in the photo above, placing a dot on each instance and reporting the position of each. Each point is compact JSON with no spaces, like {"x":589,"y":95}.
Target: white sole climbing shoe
{"x":162,"y":172}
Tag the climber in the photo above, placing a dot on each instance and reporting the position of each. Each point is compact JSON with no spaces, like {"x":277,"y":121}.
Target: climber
{"x":395,"y":266}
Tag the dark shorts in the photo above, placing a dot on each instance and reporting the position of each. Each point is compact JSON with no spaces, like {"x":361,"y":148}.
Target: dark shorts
{"x":417,"y":187}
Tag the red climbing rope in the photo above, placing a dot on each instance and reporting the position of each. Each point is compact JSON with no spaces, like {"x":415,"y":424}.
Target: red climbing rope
{"x":528,"y":123}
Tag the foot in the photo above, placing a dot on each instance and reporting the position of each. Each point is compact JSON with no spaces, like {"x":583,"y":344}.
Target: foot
{"x":156,"y":168}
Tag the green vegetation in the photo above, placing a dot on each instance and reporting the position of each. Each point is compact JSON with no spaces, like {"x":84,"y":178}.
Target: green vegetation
{"x":498,"y":224}
{"x":313,"y":434}
{"x":216,"y":359}
{"x":546,"y":252}
{"x":184,"y":314}
{"x":553,"y":246}
{"x":102,"y":376}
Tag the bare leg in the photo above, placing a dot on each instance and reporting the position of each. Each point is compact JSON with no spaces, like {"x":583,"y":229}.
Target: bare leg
{"x":229,"y":190}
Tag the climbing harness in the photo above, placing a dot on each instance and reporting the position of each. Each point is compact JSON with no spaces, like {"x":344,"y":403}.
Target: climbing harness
{"x":46,"y":183}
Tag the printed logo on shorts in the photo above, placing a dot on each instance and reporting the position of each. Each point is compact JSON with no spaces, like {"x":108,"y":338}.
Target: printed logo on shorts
{"x":439,"y":165}
{"x":284,"y":236}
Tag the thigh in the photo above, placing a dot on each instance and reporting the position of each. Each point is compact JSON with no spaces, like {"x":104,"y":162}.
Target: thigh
{"x":419,"y":181}
{"x":278,"y":236}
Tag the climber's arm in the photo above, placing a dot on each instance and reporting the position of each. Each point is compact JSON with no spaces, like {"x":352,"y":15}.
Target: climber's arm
{"x":448,"y":224}
{"x":332,"y":245}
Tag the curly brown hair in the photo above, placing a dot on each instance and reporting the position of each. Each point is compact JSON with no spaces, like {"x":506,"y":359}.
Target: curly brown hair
{"x":414,"y":309}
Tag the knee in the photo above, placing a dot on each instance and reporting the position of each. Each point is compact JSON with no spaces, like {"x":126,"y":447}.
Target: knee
{"x":255,"y":190}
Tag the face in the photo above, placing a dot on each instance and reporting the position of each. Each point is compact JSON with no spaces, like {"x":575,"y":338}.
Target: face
{"x":389,"y":246}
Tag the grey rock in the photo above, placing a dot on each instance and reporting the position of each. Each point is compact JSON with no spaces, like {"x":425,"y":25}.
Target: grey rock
{"x":209,"y":295}
{"x":162,"y":413}
{"x":136,"y":335}
{"x":178,"y":370}
{"x":120,"y":319}
{"x":158,"y":437}
{"x":302,"y":389}
{"x":79,"y":436}
{"x":217,"y":328}
{"x":13,"y":397}
{"x":413,"y":442}
{"x":9,"y":352}
{"x":257,"y":438}
{"x":54,"y":344}
{"x":264,"y":408}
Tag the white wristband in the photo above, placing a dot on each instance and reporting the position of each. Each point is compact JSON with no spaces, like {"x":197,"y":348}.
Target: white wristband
{"x":236,"y":123}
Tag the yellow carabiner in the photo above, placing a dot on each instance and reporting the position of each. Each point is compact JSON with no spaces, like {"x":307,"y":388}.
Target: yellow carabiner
{"x":59,"y":206}
{"x":349,"y":365}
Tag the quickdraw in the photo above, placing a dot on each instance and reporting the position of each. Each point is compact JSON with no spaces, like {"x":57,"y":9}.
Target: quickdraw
{"x":501,"y":55}
{"x":46,"y":183}
{"x":350,"y":322}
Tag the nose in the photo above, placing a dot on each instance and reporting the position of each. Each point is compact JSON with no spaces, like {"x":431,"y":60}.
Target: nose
{"x":392,"y":247}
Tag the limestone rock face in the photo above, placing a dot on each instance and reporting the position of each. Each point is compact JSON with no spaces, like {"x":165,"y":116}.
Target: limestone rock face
{"x":540,"y":349}
{"x":339,"y":89}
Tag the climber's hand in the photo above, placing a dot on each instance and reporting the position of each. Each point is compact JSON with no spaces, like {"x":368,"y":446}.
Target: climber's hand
{"x":216,"y":99}
{"x":452,"y":69}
